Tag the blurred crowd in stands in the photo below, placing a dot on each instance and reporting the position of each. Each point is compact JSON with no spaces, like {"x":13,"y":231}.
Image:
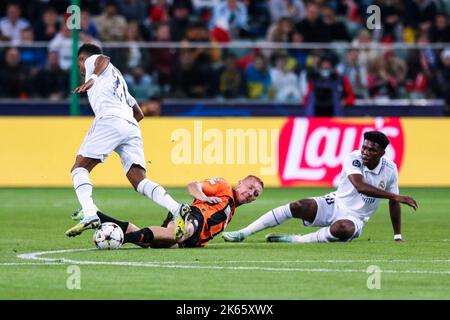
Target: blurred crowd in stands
{"x":234,"y":73}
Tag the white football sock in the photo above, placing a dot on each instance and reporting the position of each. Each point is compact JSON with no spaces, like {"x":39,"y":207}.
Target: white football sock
{"x":321,"y":235}
{"x":157,"y":193}
{"x":268,"y":220}
{"x":83,"y":189}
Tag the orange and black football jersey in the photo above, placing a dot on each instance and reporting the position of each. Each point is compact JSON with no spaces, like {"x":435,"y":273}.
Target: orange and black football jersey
{"x":215,"y":216}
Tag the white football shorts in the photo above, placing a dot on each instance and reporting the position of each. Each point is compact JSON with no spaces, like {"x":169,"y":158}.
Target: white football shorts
{"x":110,"y":133}
{"x":328,"y":212}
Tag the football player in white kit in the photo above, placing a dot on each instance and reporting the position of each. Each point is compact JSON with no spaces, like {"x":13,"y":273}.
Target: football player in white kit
{"x":367,"y":175}
{"x":115,"y":128}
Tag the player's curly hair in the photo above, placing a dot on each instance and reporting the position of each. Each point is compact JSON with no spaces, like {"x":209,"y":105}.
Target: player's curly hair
{"x":90,"y":49}
{"x":378,"y":137}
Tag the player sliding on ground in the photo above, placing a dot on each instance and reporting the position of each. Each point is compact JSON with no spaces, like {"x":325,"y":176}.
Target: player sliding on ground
{"x":367,"y":176}
{"x":214,"y":204}
{"x":115,"y":128}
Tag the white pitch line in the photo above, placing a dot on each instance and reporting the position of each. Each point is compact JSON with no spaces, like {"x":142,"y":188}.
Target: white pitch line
{"x":30,"y":263}
{"x":159,"y":265}
{"x":174,"y":264}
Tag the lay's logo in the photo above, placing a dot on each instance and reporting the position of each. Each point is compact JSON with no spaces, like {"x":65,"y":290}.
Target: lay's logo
{"x":311,"y":150}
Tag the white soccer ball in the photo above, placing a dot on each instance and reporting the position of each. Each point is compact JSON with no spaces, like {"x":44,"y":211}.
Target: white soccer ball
{"x":108,"y":236}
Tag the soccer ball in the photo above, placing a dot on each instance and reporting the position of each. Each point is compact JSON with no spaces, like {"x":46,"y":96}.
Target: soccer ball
{"x":108,"y":236}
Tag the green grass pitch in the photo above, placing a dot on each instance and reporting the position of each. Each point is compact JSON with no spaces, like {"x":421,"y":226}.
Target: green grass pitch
{"x":34,"y":220}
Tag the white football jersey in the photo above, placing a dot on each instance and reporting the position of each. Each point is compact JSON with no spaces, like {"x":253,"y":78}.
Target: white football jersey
{"x":109,"y":95}
{"x":384,"y":176}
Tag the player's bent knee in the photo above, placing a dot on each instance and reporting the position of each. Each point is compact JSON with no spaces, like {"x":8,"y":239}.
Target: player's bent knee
{"x":135,"y":175}
{"x":86,"y":163}
{"x":343,"y":229}
{"x":304,"y":208}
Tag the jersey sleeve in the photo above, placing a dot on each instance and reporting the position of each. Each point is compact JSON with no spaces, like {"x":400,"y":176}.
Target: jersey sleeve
{"x":393,"y":182}
{"x":89,"y":64}
{"x":352,"y":165}
{"x":215,"y":187}
{"x":130,"y":100}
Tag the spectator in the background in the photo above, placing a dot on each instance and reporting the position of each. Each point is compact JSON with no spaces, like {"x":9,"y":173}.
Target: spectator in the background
{"x":356,"y":73}
{"x":132,"y":55}
{"x":200,"y":5}
{"x":312,"y":27}
{"x":397,"y":70}
{"x":327,"y":90}
{"x":440,"y":31}
{"x":258,"y":80}
{"x":52,"y":82}
{"x":391,"y":25}
{"x":351,"y":10}
{"x":258,"y":19}
{"x":152,"y":107}
{"x":300,"y":55}
{"x":180,"y":20}
{"x":230,"y":79}
{"x":234,"y":14}
{"x":95,"y":6}
{"x":135,"y":10}
{"x":62,"y":43}
{"x":420,"y":14}
{"x":12,"y":24}
{"x":294,"y":9}
{"x":87,"y":25}
{"x":441,"y":81}
{"x":381,"y":84}
{"x":139,"y":83}
{"x":48,"y":27}
{"x":370,"y":51}
{"x":422,"y":63}
{"x":281,"y":30}
{"x":285,"y":83}
{"x":335,"y":29}
{"x":198,"y":32}
{"x":111,"y":24}
{"x":14,"y":76}
{"x":163,"y":60}
{"x":193,"y":79}
{"x":33,"y":57}
{"x":159,"y":12}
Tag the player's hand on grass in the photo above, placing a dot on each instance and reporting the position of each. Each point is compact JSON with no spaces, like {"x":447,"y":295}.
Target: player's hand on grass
{"x":85,"y":86}
{"x":407,"y":200}
{"x":212,"y":200}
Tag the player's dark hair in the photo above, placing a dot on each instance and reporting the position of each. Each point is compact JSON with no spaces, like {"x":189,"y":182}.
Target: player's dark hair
{"x":378,"y":137}
{"x":90,"y":49}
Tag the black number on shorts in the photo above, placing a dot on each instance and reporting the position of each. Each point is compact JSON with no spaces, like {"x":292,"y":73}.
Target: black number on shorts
{"x":329,"y":199}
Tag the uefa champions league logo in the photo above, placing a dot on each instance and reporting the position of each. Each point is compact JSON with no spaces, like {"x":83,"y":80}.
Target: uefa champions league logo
{"x":73,"y":19}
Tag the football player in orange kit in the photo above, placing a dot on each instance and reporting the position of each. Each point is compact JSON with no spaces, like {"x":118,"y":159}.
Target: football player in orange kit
{"x":214,"y":204}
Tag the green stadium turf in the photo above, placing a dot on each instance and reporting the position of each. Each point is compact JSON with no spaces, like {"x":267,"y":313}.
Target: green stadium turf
{"x":34,"y":220}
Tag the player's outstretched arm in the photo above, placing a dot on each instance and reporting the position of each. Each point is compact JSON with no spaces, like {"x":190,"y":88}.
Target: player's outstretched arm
{"x":195,"y":189}
{"x":363,"y":187}
{"x":395,"y":214}
{"x":407,"y":200}
{"x":137,"y":113}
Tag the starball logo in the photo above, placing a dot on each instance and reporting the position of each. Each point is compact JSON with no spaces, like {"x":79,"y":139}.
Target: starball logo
{"x":311,"y":150}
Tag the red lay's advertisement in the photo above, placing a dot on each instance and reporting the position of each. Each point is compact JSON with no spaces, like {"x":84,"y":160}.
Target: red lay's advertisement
{"x":283,"y":152}
{"x":312,"y":150}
